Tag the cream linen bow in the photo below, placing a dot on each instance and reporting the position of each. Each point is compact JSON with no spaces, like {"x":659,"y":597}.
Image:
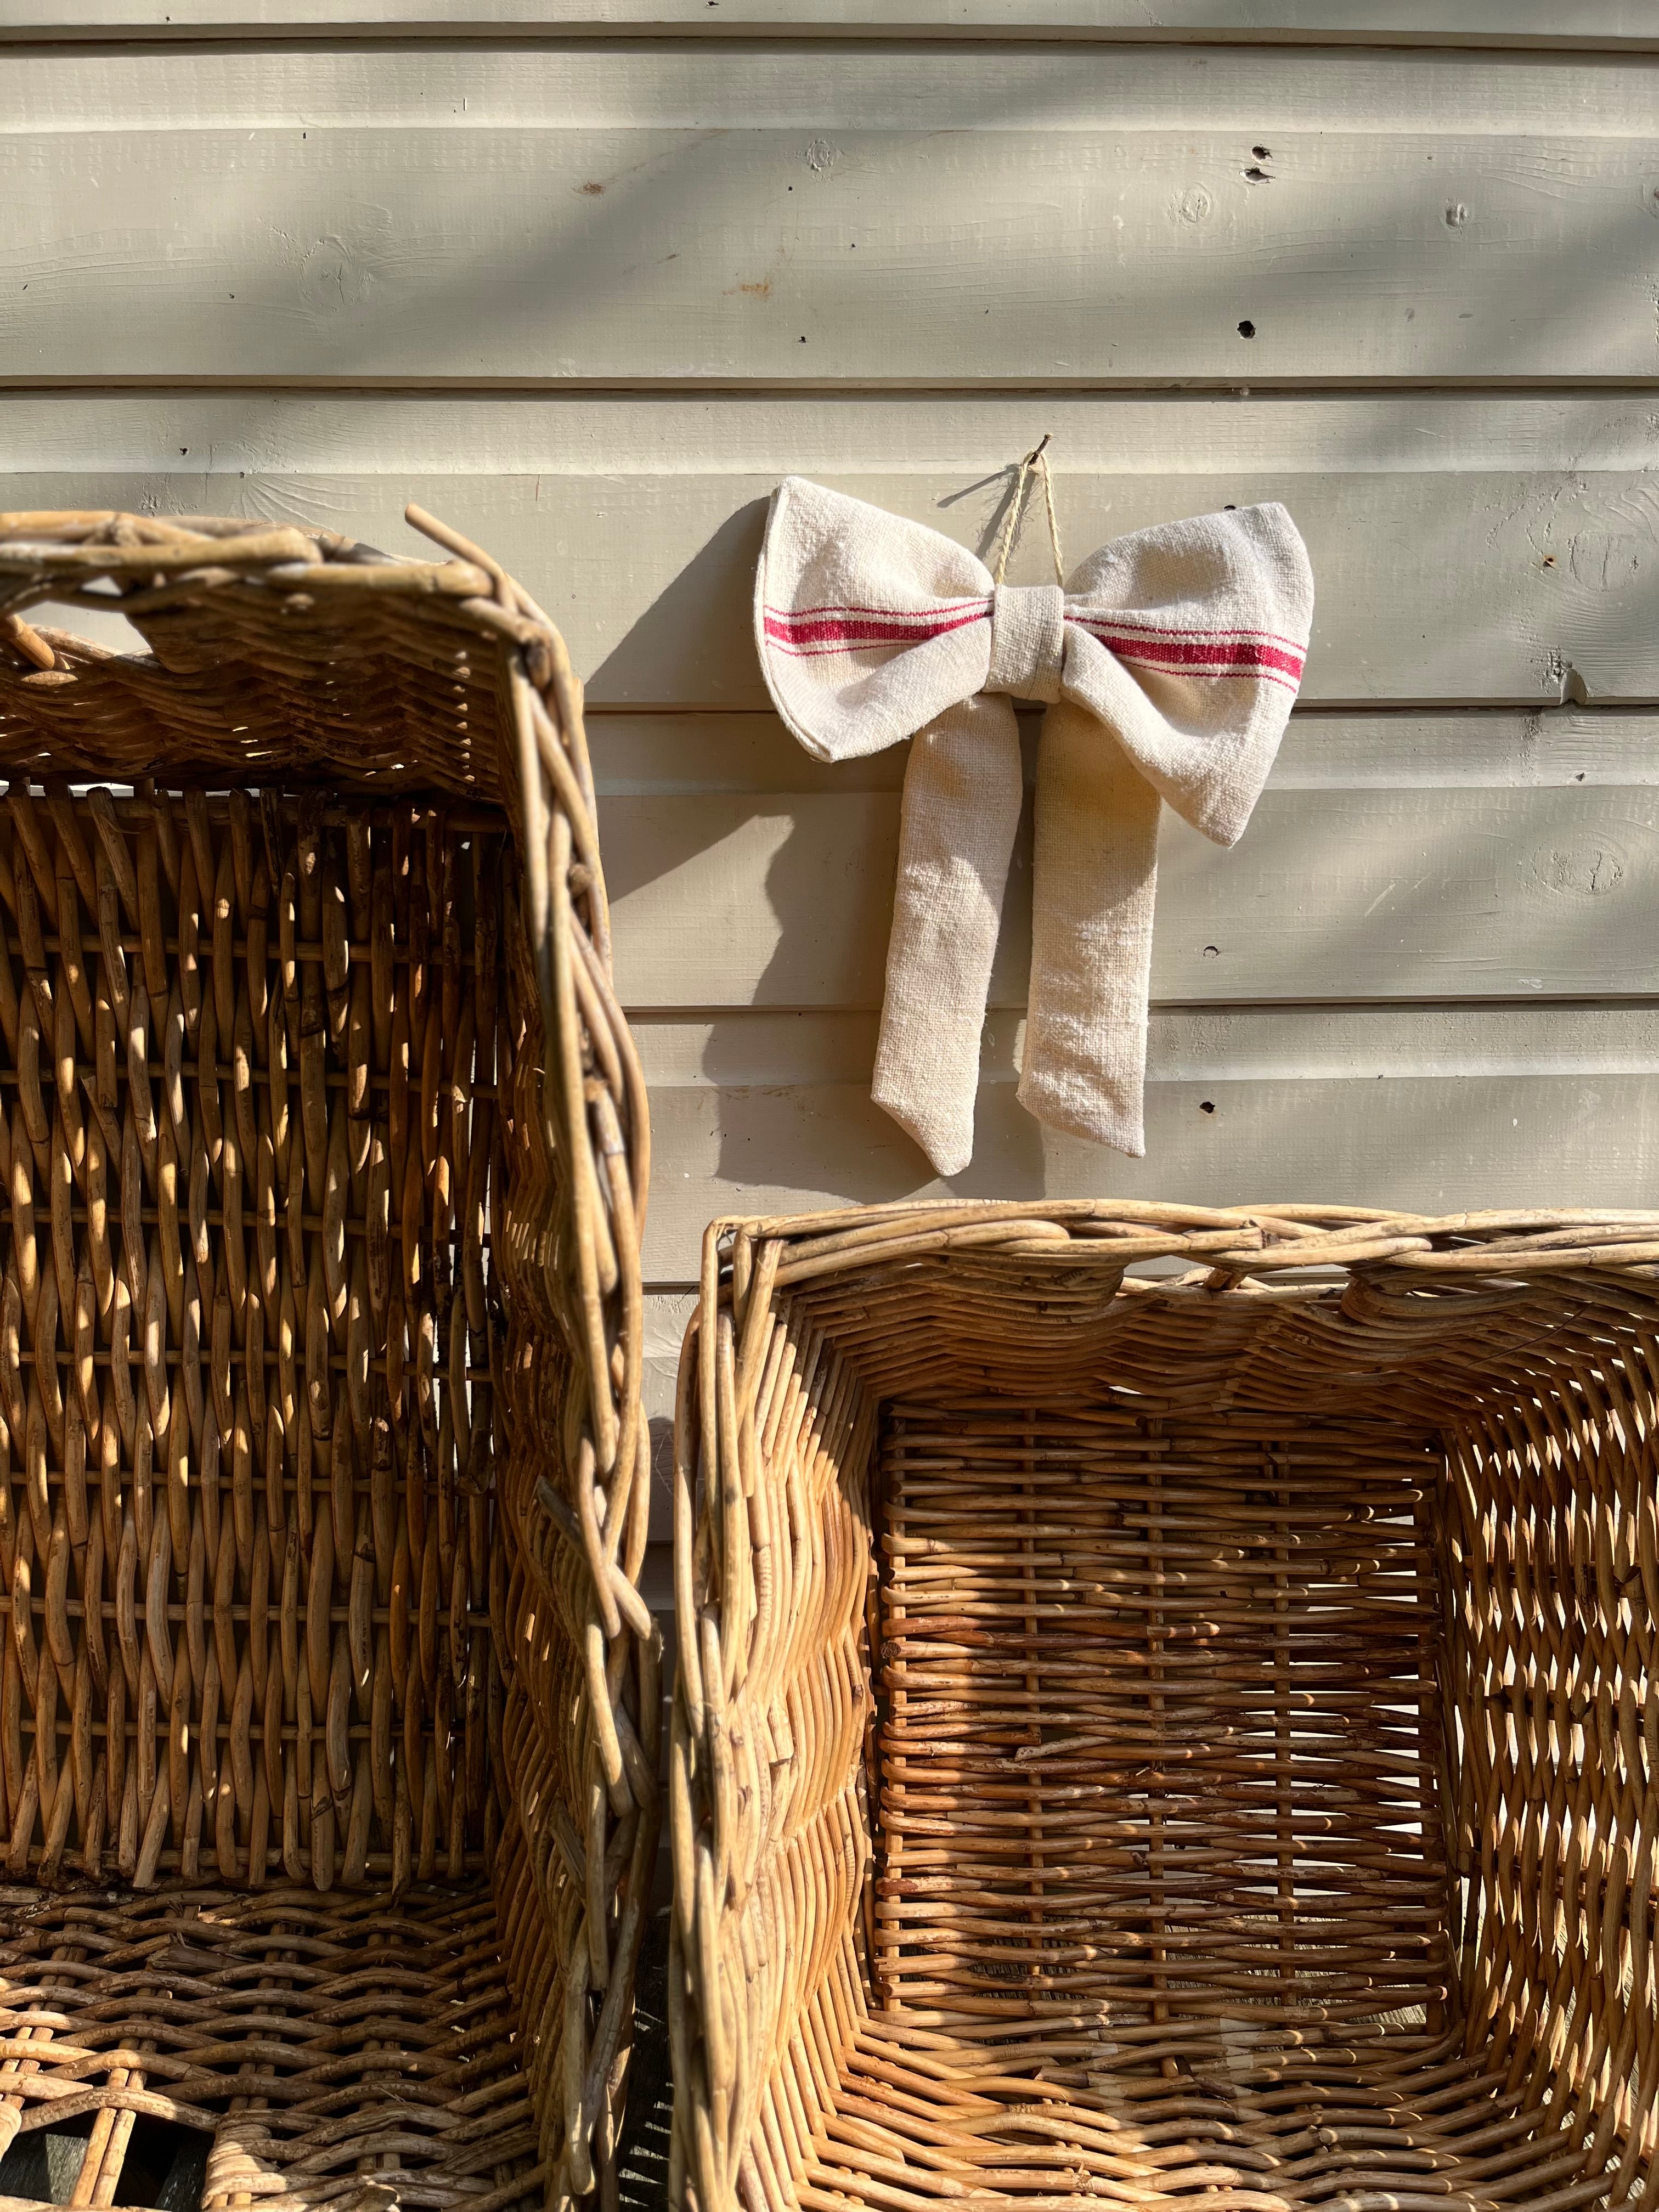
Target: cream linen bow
{"x":1168,"y":666}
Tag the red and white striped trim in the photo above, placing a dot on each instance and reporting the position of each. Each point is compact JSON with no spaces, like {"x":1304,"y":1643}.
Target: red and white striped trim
{"x":1126,"y":618}
{"x":1216,"y":653}
{"x":808,"y":632}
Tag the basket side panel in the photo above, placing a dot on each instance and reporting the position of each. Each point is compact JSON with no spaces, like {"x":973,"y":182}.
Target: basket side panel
{"x":546,"y":1738}
{"x":246,"y":1438}
{"x":771,"y":1723}
{"x":579,"y":1728}
{"x":1551,"y":1598}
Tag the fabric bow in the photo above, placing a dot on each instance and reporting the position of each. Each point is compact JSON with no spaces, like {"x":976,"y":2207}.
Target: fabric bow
{"x":1168,"y":664}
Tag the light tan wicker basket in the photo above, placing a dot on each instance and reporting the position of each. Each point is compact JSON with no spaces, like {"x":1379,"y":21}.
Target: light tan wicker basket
{"x":328,"y":1714}
{"x":1188,"y":1738}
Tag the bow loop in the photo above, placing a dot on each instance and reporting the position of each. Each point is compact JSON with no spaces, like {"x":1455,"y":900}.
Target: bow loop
{"x":1168,"y":666}
{"x":1208,"y":620}
{"x":868,"y":626}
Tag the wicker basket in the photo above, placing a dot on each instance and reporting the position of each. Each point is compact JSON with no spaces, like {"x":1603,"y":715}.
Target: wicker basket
{"x":1188,"y":1736}
{"x":328,"y":1714}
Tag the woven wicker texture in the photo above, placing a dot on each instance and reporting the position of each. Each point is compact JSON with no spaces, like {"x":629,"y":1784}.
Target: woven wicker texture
{"x":1186,"y":1734}
{"x":273,"y":2021}
{"x":323,"y":1486}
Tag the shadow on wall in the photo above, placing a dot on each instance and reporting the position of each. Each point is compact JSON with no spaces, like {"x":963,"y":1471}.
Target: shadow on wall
{"x":689,"y":626}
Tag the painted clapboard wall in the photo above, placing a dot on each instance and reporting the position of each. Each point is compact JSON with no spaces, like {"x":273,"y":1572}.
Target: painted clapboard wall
{"x":587,"y":275}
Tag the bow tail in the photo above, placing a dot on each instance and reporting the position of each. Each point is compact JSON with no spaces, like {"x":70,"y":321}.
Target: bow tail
{"x":961,"y":812}
{"x":1094,"y":876}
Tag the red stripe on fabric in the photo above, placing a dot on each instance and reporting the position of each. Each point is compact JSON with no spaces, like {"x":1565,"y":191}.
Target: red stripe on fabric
{"x":812,"y":632}
{"x":1230,"y":658}
{"x":1218,"y":675}
{"x":1121,"y":619}
{"x":827,"y":632}
{"x":893,"y":614}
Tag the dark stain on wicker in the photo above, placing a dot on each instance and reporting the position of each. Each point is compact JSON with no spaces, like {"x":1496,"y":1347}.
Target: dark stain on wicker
{"x":326,"y":1749}
{"x":1193,"y":1738}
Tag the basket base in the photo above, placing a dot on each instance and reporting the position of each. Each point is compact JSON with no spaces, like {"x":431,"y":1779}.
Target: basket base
{"x":346,"y":2049}
{"x":1253,"y":2124}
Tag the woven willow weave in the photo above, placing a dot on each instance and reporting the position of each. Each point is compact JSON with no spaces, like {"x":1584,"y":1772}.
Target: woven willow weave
{"x":328,"y":1710}
{"x":1175,"y":1737}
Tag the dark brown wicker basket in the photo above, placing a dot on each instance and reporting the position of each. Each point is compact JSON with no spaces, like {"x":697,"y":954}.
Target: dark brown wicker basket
{"x":1180,"y":1739}
{"x":328,"y":1710}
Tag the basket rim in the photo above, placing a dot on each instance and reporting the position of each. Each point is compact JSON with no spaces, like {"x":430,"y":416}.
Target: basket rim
{"x":1232,"y":1248}
{"x":81,"y":710}
{"x":176,"y":560}
{"x":111,"y":541}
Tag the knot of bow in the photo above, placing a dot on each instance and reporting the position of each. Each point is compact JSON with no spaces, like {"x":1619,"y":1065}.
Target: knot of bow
{"x":1168,"y":664}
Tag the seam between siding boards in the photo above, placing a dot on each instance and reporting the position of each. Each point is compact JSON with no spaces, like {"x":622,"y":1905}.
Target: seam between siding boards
{"x":159,"y":32}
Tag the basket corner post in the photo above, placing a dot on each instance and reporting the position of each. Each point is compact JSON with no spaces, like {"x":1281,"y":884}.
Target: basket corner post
{"x":585,"y":1653}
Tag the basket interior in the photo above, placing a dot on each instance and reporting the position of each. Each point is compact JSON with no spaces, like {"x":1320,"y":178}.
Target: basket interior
{"x":1195,"y":1662}
{"x":1254,"y":1758}
{"x":251,"y":1341}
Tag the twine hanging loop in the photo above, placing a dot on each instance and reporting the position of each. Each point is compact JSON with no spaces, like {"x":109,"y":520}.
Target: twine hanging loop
{"x":1036,"y":462}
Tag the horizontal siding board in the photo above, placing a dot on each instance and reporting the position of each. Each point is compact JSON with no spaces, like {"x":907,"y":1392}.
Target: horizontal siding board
{"x":309,"y":439}
{"x":467,"y":91}
{"x":1086,"y":218}
{"x":734,"y":900}
{"x":1410,"y":1107}
{"x":1471,"y":854}
{"x":1436,"y":1143}
{"x":1461,"y":552}
{"x":657,"y":755}
{"x":1613,"y":23}
{"x":1460,"y":586}
{"x":1272,"y":1044}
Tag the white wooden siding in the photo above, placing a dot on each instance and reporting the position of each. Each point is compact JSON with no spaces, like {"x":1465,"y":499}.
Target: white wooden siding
{"x":906,"y":214}
{"x":1470,"y":548}
{"x":588,"y":276}
{"x":1582,"y":24}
